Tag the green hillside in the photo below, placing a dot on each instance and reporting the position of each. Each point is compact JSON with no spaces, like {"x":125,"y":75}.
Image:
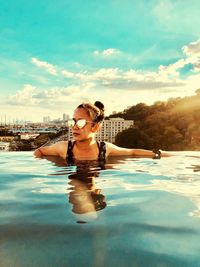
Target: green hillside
{"x":170,"y":125}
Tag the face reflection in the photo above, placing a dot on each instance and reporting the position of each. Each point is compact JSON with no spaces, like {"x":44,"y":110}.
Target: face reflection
{"x":84,"y":196}
{"x":87,"y":131}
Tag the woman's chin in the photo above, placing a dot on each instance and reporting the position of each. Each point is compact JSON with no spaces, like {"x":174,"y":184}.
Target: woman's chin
{"x":77,"y":137}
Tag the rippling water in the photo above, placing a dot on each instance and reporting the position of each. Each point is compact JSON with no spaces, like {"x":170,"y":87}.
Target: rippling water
{"x":130,"y":212}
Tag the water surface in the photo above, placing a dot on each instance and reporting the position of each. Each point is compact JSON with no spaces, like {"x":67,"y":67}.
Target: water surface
{"x":130,"y":212}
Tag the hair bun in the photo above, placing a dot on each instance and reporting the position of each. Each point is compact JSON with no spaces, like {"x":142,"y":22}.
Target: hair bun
{"x":99,"y":105}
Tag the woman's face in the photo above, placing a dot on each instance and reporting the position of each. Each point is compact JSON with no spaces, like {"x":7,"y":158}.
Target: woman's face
{"x":88,"y":130}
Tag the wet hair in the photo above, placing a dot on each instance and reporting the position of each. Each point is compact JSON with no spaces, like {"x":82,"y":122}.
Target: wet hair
{"x":96,"y":110}
{"x":99,"y":201}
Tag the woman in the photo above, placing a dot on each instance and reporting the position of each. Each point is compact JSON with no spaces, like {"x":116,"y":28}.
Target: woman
{"x":86,"y":123}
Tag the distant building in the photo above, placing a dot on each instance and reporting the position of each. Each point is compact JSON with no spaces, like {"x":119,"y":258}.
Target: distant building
{"x":109,"y":129}
{"x":4,"y":146}
{"x":27,"y":136}
{"x":6,"y":138}
{"x":46,"y":119}
{"x":30,"y":130}
{"x":65,"y":117}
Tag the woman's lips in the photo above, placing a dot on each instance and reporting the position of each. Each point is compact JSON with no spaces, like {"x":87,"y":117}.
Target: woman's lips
{"x":76,"y":134}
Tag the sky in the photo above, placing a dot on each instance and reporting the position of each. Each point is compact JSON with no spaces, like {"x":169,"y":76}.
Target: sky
{"x":55,"y":55}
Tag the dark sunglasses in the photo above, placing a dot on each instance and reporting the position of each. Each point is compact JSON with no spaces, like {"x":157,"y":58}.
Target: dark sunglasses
{"x":80,"y":123}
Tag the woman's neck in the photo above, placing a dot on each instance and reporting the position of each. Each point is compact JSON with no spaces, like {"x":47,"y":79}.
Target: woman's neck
{"x":86,"y":150}
{"x":85,"y":144}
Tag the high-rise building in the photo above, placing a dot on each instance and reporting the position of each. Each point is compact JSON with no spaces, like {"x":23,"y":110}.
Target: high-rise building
{"x":46,"y":119}
{"x":65,"y":117}
{"x":109,"y":129}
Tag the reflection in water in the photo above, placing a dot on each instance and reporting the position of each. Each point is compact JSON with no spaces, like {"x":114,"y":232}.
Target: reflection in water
{"x":85,"y":198}
{"x":195,"y":168}
{"x":173,"y":175}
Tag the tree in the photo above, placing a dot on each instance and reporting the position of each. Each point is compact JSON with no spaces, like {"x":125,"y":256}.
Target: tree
{"x":132,"y":138}
{"x":172,"y":138}
{"x":137,"y":113}
{"x":172,"y":125}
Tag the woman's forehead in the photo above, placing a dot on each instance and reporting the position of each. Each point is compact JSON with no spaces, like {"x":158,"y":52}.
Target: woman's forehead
{"x":81,"y":113}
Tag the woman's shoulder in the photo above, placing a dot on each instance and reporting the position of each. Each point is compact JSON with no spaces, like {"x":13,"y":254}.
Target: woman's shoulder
{"x":108,"y":144}
{"x":62,"y":142}
{"x":114,"y":150}
{"x":62,"y":147}
{"x":57,"y":149}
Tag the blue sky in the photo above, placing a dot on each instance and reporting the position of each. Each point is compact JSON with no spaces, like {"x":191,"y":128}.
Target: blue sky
{"x":56,"y":54}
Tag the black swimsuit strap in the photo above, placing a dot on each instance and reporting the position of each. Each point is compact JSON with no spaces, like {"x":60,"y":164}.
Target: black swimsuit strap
{"x":70,"y":155}
{"x":102,"y":151}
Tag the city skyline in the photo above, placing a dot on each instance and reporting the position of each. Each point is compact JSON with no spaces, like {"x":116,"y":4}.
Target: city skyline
{"x":55,"y":55}
{"x":5,"y":120}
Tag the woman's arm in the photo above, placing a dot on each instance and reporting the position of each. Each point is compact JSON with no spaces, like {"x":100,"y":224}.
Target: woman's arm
{"x":113,"y":150}
{"x":58,"y":149}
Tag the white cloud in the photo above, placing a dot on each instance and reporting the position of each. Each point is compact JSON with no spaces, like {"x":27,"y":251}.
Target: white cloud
{"x":132,"y":79}
{"x":24,"y":96}
{"x":192,"y":50}
{"x":192,"y":56}
{"x":45,"y":65}
{"x":192,"y":53}
{"x":197,"y":67}
{"x":115,"y":87}
{"x":165,"y":77}
{"x":172,"y":69}
{"x":51,"y":97}
{"x":68,"y":74}
{"x":89,"y":77}
{"x":107,"y":52}
{"x":106,"y":74}
{"x":192,"y":83}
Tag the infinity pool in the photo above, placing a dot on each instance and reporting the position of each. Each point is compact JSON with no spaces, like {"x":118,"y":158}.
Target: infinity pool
{"x":130,"y":212}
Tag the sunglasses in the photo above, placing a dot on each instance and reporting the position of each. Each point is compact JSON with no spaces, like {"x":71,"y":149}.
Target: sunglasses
{"x":80,"y":123}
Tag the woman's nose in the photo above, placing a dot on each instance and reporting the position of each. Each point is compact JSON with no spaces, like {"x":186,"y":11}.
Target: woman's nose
{"x":75,"y":127}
